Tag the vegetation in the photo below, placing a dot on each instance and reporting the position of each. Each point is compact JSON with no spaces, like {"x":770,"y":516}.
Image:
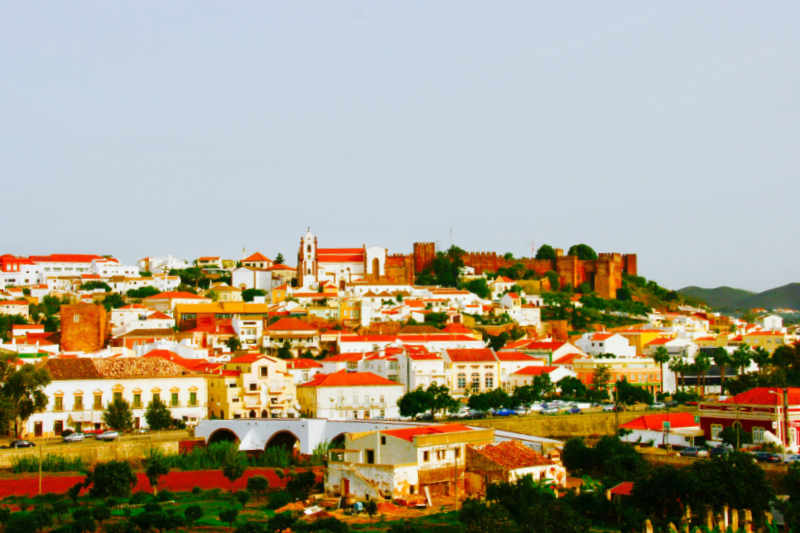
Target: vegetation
{"x":436,"y":399}
{"x":113,"y":479}
{"x":118,"y":415}
{"x":731,"y":299}
{"x":50,"y":463}
{"x":583,"y":252}
{"x":6,"y":324}
{"x":21,"y":393}
{"x":249,"y":294}
{"x":444,"y":269}
{"x":159,"y":417}
{"x":546,"y":251}
{"x":142,"y":292}
{"x":92,"y":285}
{"x":479,"y":287}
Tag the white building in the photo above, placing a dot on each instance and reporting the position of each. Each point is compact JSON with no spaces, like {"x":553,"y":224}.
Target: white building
{"x":82,"y":388}
{"x":605,"y":343}
{"x":162,"y":264}
{"x":251,"y":278}
{"x":344,"y":395}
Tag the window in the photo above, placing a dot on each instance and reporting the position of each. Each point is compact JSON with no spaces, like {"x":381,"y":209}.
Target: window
{"x":370,"y":457}
{"x":476,"y":382}
{"x":458,"y":452}
{"x":78,"y":402}
{"x":98,"y":401}
{"x":59,"y":403}
{"x":489,"y":379}
{"x":76,"y":318}
{"x":192,"y":398}
{"x":253,"y":387}
{"x":758,"y":434}
{"x":137,"y":400}
{"x":263,"y":371}
{"x":425,"y":457}
{"x":174,"y":399}
{"x":462,"y":381}
{"x":716,"y":429}
{"x":383,"y":439}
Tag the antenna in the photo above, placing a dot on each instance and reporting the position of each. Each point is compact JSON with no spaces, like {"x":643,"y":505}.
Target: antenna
{"x":451,"y":235}
{"x":533,"y":249}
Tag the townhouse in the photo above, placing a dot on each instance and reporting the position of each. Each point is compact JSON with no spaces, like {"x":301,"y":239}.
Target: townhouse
{"x":471,"y":371}
{"x":344,"y":395}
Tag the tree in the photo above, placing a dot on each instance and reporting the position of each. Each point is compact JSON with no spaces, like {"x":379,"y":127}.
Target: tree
{"x":157,"y":415}
{"x":249,"y":294}
{"x":552,"y":277}
{"x":112,"y":479}
{"x":630,"y":394}
{"x":21,"y":393}
{"x":192,"y":514}
{"x":233,"y":464}
{"x":600,"y":378}
{"x":300,"y":486}
{"x":661,"y":356}
{"x":546,"y":251}
{"x":280,"y":522}
{"x":229,"y":515}
{"x":702,"y":362}
{"x":583,"y":252}
{"x":572,"y":387}
{"x":435,"y":398}
{"x":112,"y":300}
{"x":479,"y":287}
{"x":279,"y":259}
{"x":722,"y":359}
{"x":118,"y":415}
{"x":233,"y":343}
{"x":155,"y":466}
{"x":92,"y":285}
{"x":679,"y":367}
{"x":285,"y":350}
{"x":741,"y":358}
{"x":142,"y":292}
{"x":258,"y":485}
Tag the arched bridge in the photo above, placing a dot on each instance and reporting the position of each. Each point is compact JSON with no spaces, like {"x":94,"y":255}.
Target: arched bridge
{"x":308,"y":433}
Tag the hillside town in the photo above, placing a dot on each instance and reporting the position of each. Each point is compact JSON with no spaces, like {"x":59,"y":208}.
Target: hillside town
{"x":410,"y":359}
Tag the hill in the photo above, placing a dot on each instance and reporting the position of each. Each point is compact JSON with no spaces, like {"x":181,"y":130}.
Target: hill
{"x":719,"y":297}
{"x":729,"y":299}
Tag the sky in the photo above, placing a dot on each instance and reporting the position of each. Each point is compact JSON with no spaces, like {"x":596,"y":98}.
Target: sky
{"x":202,"y":128}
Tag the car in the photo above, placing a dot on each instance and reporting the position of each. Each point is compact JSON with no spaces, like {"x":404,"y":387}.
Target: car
{"x":719,"y":451}
{"x":108,"y":435}
{"x":74,"y":437}
{"x":767,"y":457}
{"x":550,"y":411}
{"x":792,"y":458}
{"x":694,"y":451}
{"x":574,"y":410}
{"x":93,"y":433}
{"x":608,"y":407}
{"x":658,"y":405}
{"x":19,"y":443}
{"x":504,"y":412}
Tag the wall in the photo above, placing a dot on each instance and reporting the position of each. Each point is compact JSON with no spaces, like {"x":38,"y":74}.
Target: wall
{"x":83,"y":327}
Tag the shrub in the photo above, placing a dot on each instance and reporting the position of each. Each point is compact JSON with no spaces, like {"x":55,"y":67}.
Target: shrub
{"x":196,"y":490}
{"x":140,"y":497}
{"x":50,"y":463}
{"x":229,"y":515}
{"x":242,"y":497}
{"x":278,"y":499}
{"x":258,"y":485}
{"x":192,"y":513}
{"x":165,"y":495}
{"x":114,"y":478}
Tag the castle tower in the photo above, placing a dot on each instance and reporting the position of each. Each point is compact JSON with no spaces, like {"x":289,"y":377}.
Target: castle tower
{"x":424,"y":253}
{"x":307,"y":260}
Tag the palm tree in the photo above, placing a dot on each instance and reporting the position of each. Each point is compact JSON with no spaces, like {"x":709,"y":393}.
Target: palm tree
{"x":762,"y":358}
{"x":741,"y":358}
{"x":661,"y":356}
{"x":678,"y":366}
{"x":721,"y":359}
{"x":701,"y":364}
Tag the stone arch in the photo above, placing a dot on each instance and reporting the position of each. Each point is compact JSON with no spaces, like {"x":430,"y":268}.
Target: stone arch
{"x":284,"y":439}
{"x":337,"y":442}
{"x":223,"y":435}
{"x":252,"y":413}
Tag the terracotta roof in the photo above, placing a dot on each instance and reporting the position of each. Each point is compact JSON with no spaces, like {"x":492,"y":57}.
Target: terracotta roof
{"x":659,"y":341}
{"x":601,"y":336}
{"x":291,"y":324}
{"x":78,"y":368}
{"x":468,"y":355}
{"x":247,"y":358}
{"x":409,"y":433}
{"x":158,"y":315}
{"x":535,"y":370}
{"x":512,"y":455}
{"x":457,"y":328}
{"x":258,"y":256}
{"x":151,"y":332}
{"x":514,"y":356}
{"x":622,"y":489}
{"x":280,"y":267}
{"x":67,"y":258}
{"x":656,"y":422}
{"x":298,"y":364}
{"x":766,"y":396}
{"x":345,"y":357}
{"x":343,"y":378}
{"x":171,"y":295}
{"x":567,"y":359}
{"x":132,"y":367}
{"x":190,"y":364}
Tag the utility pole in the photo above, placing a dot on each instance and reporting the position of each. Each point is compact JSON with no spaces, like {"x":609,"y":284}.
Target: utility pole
{"x":40,"y":467}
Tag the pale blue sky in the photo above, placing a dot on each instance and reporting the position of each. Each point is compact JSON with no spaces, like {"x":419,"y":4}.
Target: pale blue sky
{"x":198,"y":127}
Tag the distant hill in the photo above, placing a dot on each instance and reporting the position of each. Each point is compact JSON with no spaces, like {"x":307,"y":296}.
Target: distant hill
{"x":730,"y":299}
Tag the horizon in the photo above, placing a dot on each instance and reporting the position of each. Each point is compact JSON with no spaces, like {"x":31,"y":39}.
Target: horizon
{"x":185,"y":129}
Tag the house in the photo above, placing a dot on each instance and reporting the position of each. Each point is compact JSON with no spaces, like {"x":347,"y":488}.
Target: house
{"x":343,"y":395}
{"x":471,"y":370}
{"x":525,"y":376}
{"x":192,"y":315}
{"x":421,"y":461}
{"x":605,"y":343}
{"x":252,"y":385}
{"x":257,"y":260}
{"x":251,"y":278}
{"x":508,"y":362}
{"x":226,"y":293}
{"x":507,"y":462}
{"x":547,"y":350}
{"x":303,"y":370}
{"x":281,"y":274}
{"x":769,"y":414}
{"x":82,"y":388}
{"x":209,"y":261}
{"x":167,"y":301}
{"x":14,"y":307}
{"x":298,"y":335}
{"x":769,"y":340}
{"x":675,"y":429}
{"x":640,"y":371}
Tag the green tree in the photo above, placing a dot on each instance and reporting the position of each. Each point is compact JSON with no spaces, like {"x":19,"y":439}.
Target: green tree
{"x":233,"y":343}
{"x":722,"y":359}
{"x":249,"y":294}
{"x":258,"y":485}
{"x":157,"y":415}
{"x":229,"y":515}
{"x":92,"y":285}
{"x":701,"y":365}
{"x":155,"y":466}
{"x":630,"y":394}
{"x":21,"y":393}
{"x":371,"y":507}
{"x":300,"y":486}
{"x":478,"y":286}
{"x":113,"y":479}
{"x":572,"y":387}
{"x":600,"y":378}
{"x":582,"y":251}
{"x":546,"y":251}
{"x":113,"y":300}
{"x":279,"y":259}
{"x":118,"y":415}
{"x":233,"y":464}
{"x":192,"y":514}
{"x":741,"y":358}
{"x":661,"y":357}
{"x":142,"y":292}
{"x":552,"y":277}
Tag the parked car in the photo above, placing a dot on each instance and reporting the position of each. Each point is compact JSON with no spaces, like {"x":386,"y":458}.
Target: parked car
{"x":19,"y":443}
{"x":694,"y":451}
{"x":74,"y":437}
{"x":573,"y":410}
{"x":92,"y":433}
{"x":658,"y":405}
{"x":767,"y":457}
{"x":608,"y":407}
{"x":719,"y":451}
{"x":550,"y":410}
{"x":792,"y":458}
{"x":504,"y":412}
{"x":108,"y":435}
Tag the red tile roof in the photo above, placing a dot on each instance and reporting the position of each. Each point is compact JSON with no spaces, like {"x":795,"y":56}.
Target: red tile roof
{"x":344,"y":357}
{"x":291,"y":324}
{"x":567,"y":359}
{"x":601,"y":336}
{"x":170,"y":295}
{"x":457,"y":328}
{"x":302,"y":363}
{"x":280,"y":267}
{"x":255,"y":257}
{"x":343,"y":378}
{"x":514,"y":356}
{"x":622,"y":489}
{"x":766,"y":396}
{"x":409,"y":433}
{"x":535,"y":370}
{"x":512,"y":455}
{"x":67,"y":258}
{"x":247,"y":358}
{"x":659,"y":341}
{"x":469,"y":355}
{"x":656,"y":422}
{"x":158,"y":315}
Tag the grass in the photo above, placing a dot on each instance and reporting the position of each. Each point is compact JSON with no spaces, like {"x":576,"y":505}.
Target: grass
{"x":50,"y":463}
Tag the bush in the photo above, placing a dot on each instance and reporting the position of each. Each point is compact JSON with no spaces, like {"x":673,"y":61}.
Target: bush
{"x":280,"y":521}
{"x":278,"y":499}
{"x":114,"y":478}
{"x":196,"y":490}
{"x":300,"y":485}
{"x":50,"y":463}
{"x":192,"y":513}
{"x":242,"y":497}
{"x":165,"y":495}
{"x":140,"y":497}
{"x":229,"y":515}
{"x":258,"y":485}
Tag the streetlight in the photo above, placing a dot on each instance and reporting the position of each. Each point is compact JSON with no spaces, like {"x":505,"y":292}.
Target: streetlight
{"x":784,"y":428}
